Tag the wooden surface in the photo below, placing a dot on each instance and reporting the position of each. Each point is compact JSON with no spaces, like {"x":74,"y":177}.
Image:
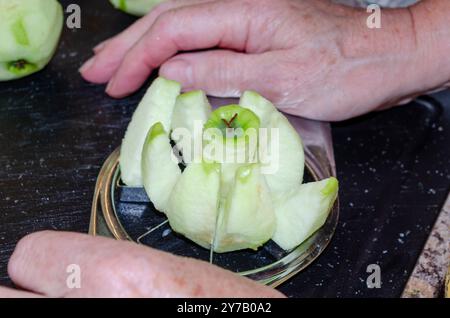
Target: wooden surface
{"x":56,"y":130}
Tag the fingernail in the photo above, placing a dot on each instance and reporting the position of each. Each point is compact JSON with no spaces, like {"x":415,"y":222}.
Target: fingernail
{"x":178,"y":70}
{"x":87,"y":65}
{"x":99,"y":47}
{"x":110,"y":85}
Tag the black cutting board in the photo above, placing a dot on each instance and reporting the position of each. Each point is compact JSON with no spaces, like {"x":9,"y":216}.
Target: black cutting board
{"x":56,"y":130}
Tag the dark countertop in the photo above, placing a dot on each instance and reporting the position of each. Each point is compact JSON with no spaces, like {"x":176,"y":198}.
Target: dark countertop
{"x":56,"y":130}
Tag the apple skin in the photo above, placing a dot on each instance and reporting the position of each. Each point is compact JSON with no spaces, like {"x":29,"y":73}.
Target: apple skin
{"x":302,"y":211}
{"x":192,"y":110}
{"x":29,"y":33}
{"x":160,"y":171}
{"x":156,"y":106}
{"x":135,"y":7}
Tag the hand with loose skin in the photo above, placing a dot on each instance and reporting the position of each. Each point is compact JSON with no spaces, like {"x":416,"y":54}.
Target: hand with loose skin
{"x":117,"y":269}
{"x":312,"y":58}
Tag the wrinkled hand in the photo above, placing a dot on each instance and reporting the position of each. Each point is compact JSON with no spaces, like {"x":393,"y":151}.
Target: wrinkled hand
{"x":311,"y":57}
{"x":117,"y":269}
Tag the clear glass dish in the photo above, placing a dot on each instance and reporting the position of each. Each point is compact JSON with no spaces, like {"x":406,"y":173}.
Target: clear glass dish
{"x":126,"y":213}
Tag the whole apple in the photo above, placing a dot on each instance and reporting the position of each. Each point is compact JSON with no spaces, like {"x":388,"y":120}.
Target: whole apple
{"x":29,"y":34}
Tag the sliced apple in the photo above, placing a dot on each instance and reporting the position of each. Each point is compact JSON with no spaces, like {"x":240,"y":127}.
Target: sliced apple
{"x":247,"y":218}
{"x":303,"y":211}
{"x":281,"y":153}
{"x":160,"y":170}
{"x":193,"y":204}
{"x":262,"y":107}
{"x":285,"y":163}
{"x":192,"y":110}
{"x":156,"y":106}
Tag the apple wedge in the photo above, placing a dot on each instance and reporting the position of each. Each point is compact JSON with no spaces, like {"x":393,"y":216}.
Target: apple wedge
{"x":156,"y":106}
{"x":303,"y":211}
{"x":160,"y":170}
{"x":246,"y":218}
{"x":192,"y":110}
{"x":262,"y":107}
{"x":281,"y":153}
{"x":135,"y":7}
{"x":194,"y":201}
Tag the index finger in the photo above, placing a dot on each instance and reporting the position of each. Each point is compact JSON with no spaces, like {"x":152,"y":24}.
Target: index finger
{"x":224,"y":24}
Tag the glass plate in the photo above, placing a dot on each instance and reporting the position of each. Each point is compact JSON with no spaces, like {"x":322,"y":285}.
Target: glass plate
{"x":126,"y":213}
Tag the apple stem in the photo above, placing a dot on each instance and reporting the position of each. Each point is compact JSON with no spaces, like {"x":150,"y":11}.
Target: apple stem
{"x":20,"y":64}
{"x":228,"y":123}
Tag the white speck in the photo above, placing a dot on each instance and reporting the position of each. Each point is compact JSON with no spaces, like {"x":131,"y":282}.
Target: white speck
{"x":385,"y":251}
{"x":440,"y":128}
{"x":349,"y":138}
{"x":166,"y":232}
{"x":16,"y":201}
{"x":351,"y":204}
{"x":400,"y":241}
{"x":375,"y":239}
{"x":401,"y":235}
{"x":431,"y":191}
{"x":366,"y":191}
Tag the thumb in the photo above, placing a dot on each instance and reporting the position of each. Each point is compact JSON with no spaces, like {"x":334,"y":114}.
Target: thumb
{"x":219,"y":73}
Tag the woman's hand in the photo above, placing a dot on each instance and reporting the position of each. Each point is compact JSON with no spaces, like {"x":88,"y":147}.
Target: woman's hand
{"x":111,"y":268}
{"x":311,"y":57}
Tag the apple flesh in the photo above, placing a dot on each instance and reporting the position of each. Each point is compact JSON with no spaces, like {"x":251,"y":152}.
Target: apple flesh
{"x":135,"y":7}
{"x":194,"y":203}
{"x":29,"y":35}
{"x":192,"y":110}
{"x":303,"y":211}
{"x":284,"y":167}
{"x":156,"y":106}
{"x":160,"y":170}
{"x":246,"y":217}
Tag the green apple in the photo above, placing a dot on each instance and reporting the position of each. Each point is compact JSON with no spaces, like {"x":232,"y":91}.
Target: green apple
{"x":160,"y":170}
{"x":303,"y":211}
{"x":29,"y":35}
{"x":135,"y":7}
{"x":156,"y":106}
{"x":246,"y":217}
{"x":281,"y":153}
{"x":194,"y":203}
{"x":192,"y":110}
{"x":231,"y":135}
